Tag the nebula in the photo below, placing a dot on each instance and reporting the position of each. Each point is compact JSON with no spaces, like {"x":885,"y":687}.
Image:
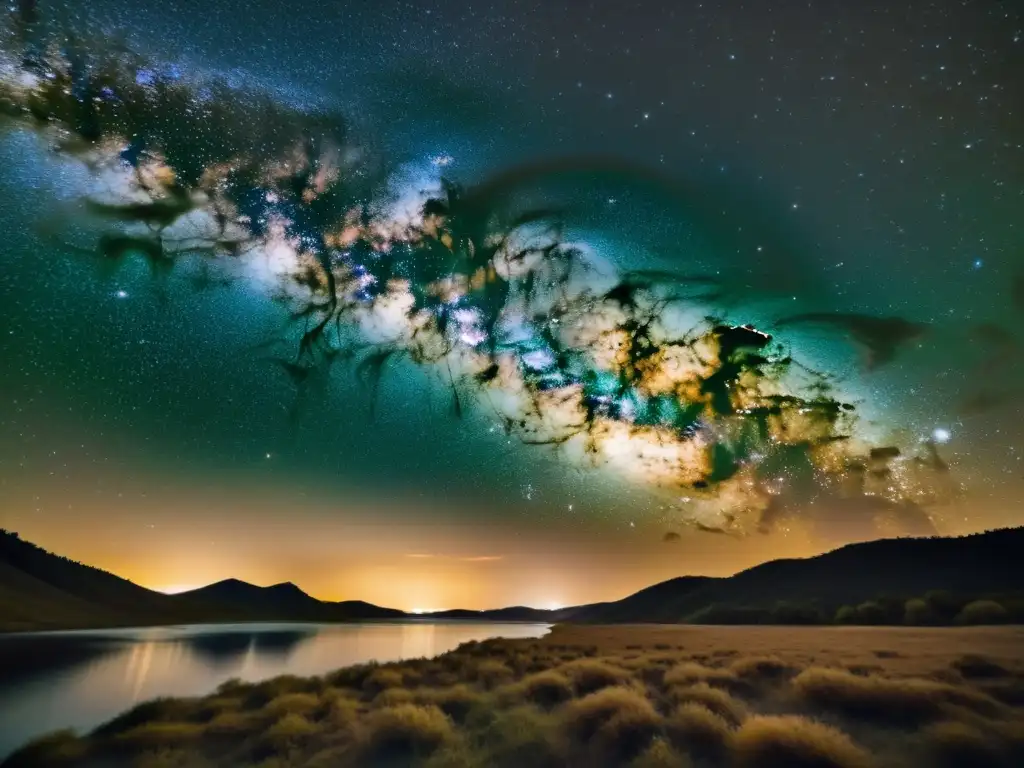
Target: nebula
{"x":629,"y":370}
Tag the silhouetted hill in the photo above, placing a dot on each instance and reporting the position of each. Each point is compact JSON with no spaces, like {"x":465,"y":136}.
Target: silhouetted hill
{"x":898,"y":569}
{"x":283,"y":601}
{"x":41,"y":590}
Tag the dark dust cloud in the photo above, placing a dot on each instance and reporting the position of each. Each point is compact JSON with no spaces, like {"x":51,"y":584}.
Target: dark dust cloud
{"x":692,"y":268}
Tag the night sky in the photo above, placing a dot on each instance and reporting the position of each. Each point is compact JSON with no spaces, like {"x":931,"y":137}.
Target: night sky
{"x":848,"y":178}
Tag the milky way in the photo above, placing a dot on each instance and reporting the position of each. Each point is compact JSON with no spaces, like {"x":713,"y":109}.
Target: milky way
{"x":640,"y":372}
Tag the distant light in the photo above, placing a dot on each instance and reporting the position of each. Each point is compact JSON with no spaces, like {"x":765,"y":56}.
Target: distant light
{"x":941,"y":435}
{"x":122,"y":294}
{"x":978,"y":263}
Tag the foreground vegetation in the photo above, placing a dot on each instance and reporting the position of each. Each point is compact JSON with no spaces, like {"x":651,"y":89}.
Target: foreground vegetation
{"x":640,"y":696}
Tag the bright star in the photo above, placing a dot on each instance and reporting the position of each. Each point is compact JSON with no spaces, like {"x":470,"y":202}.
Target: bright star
{"x":941,"y":435}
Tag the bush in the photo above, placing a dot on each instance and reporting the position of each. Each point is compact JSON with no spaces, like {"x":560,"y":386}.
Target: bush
{"x":730,"y":615}
{"x":381,"y":679}
{"x":590,"y":675}
{"x":661,"y":755}
{"x":298,"y":703}
{"x":696,"y":729}
{"x":457,"y":701}
{"x":794,"y":742}
{"x":522,"y":736}
{"x":846,"y":614}
{"x":871,"y":613}
{"x":545,"y":689}
{"x":689,"y":672}
{"x":919,"y":613}
{"x":405,"y":732}
{"x":904,"y":701}
{"x":289,"y":728}
{"x":973,"y":665}
{"x":161,"y":734}
{"x":715,"y":699}
{"x":617,"y":723}
{"x":959,"y":745}
{"x":796,"y":614}
{"x":492,"y":672}
{"x":762,"y":668}
{"x":982,"y":612}
{"x":945,"y":605}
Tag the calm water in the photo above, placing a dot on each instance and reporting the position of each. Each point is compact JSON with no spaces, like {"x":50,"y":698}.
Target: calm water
{"x":54,"y":680}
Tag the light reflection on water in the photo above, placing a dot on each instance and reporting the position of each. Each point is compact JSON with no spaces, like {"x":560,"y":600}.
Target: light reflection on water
{"x":80,"y":679}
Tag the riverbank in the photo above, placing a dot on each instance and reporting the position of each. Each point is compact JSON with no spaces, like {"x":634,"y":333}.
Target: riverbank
{"x":644,"y":695}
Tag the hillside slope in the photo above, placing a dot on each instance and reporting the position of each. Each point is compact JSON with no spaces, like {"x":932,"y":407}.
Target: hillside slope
{"x":980,"y":564}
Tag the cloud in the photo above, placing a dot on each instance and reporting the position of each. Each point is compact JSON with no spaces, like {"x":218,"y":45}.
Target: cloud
{"x":419,"y":555}
{"x":880,"y":337}
{"x":482,"y":558}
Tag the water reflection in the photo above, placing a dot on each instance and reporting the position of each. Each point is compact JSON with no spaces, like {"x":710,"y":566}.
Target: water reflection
{"x":80,"y":679}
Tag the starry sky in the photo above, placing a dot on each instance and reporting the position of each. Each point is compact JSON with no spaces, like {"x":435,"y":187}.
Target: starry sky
{"x":848,"y":178}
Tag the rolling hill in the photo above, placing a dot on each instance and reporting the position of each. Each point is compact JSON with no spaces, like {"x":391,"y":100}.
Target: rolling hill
{"x":898,"y":569}
{"x":40,"y":590}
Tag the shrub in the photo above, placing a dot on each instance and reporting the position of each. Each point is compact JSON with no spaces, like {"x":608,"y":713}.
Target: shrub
{"x":762,"y":668}
{"x":617,"y":723}
{"x":456,"y":701}
{"x":872,"y":613}
{"x":794,"y":742}
{"x":846,"y":614}
{"x":161,"y":734}
{"x":660,"y":755}
{"x":715,"y":699}
{"x":522,"y":736}
{"x":381,"y":679}
{"x":157,"y":710}
{"x":982,"y":612}
{"x":695,"y":728}
{"x":905,"y":701}
{"x":730,"y":614}
{"x":352,"y":677}
{"x":796,"y":614}
{"x":590,"y":675}
{"x":291,"y":727}
{"x":236,"y":724}
{"x":492,"y":672}
{"x":392,"y":697}
{"x":945,"y":605}
{"x":918,"y":612}
{"x":689,"y":672}
{"x":405,"y":732}
{"x":298,"y":703}
{"x":959,"y":745}
{"x":546,"y":689}
{"x":973,"y":665}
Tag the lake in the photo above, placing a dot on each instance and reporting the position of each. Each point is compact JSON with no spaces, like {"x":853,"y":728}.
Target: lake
{"x":52,"y":680}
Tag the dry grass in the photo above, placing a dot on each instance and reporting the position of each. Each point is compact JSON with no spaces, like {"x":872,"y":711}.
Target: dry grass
{"x":591,"y":697}
{"x":795,"y":742}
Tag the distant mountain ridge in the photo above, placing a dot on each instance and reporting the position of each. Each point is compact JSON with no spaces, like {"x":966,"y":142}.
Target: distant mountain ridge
{"x":41,"y":590}
{"x":906,"y":568}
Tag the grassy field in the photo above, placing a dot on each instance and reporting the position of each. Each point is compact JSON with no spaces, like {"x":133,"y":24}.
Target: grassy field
{"x":643,"y":695}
